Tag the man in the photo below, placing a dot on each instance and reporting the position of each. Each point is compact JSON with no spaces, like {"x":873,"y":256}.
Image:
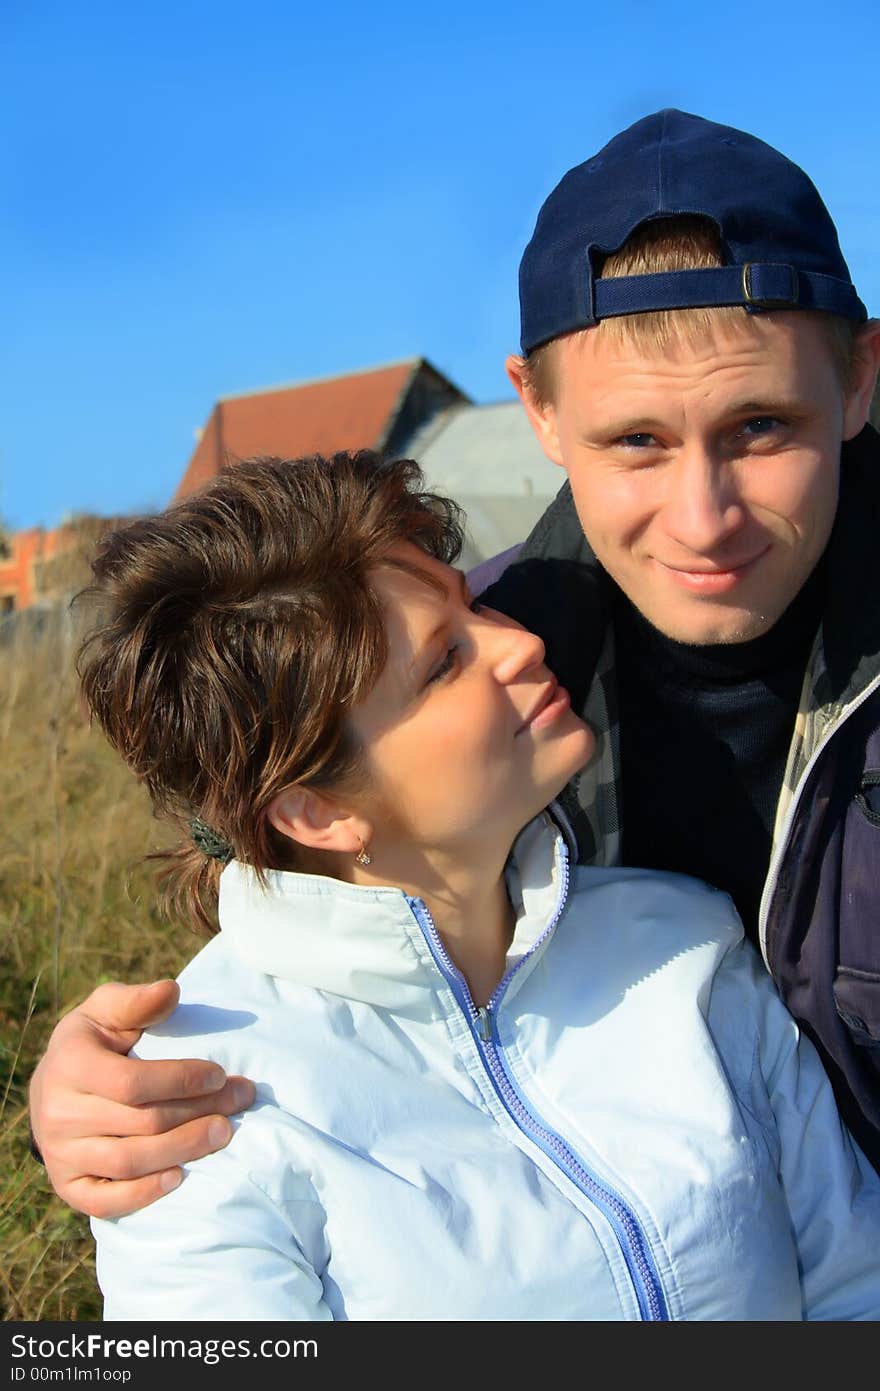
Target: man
{"x":697,"y":360}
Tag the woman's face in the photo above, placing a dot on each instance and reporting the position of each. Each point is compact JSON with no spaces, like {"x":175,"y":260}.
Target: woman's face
{"x":467,"y":734}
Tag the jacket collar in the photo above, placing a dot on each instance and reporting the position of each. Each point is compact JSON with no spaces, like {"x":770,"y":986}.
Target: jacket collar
{"x":851,"y":622}
{"x":366,"y":943}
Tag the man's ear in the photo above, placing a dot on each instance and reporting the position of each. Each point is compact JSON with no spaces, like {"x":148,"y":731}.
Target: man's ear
{"x":863,"y":379}
{"x":318,"y":821}
{"x":542,"y":415}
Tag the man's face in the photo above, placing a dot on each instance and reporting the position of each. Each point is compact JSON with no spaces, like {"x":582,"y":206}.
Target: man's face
{"x":705,"y":478}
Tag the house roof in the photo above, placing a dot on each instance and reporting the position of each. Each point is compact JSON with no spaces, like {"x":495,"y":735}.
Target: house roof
{"x":485,"y":451}
{"x":488,"y":459}
{"x":354,"y":411}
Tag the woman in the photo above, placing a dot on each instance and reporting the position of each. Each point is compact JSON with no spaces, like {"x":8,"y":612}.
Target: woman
{"x":490,"y":1086}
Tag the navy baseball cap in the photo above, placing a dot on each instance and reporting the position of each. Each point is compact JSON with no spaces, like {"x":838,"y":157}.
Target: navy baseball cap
{"x":779,"y":243}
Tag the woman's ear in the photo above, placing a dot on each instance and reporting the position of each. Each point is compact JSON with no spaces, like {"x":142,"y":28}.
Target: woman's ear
{"x":318,"y":821}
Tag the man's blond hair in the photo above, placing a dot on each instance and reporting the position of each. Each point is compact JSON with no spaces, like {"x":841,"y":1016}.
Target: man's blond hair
{"x":670,"y":244}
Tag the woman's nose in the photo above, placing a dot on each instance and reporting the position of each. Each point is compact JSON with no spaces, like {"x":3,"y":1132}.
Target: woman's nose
{"x":516,"y":649}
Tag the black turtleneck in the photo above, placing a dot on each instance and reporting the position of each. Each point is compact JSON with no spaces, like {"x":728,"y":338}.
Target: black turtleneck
{"x":705,"y":733}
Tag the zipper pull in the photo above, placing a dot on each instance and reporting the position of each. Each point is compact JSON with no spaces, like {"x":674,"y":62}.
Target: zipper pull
{"x":485,"y":1019}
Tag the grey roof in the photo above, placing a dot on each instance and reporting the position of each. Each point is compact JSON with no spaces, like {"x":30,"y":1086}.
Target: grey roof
{"x":485,"y":449}
{"x":488,"y":459}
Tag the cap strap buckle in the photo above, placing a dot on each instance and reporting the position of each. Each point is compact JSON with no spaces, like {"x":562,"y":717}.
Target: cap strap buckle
{"x":770,"y":285}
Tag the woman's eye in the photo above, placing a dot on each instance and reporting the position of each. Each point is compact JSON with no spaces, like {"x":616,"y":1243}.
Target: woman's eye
{"x":444,"y":668}
{"x":450,"y":660}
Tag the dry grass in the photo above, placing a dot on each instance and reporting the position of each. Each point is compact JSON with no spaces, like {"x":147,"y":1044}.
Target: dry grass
{"x":75,"y":908}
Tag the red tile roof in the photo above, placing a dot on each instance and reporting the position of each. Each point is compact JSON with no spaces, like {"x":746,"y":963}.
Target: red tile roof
{"x":350,"y":412}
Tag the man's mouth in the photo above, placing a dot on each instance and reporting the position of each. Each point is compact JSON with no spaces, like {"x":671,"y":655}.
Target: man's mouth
{"x":713,"y":579}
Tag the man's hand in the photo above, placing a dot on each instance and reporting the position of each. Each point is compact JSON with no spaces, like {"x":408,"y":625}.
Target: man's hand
{"x":112,"y":1130}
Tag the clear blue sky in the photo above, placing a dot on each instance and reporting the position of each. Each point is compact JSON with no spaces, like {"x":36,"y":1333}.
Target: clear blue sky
{"x":202,"y":197}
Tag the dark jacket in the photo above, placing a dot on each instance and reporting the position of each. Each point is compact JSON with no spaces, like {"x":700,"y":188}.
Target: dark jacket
{"x":820,"y":913}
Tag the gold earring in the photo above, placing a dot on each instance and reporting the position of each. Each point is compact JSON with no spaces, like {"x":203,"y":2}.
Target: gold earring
{"x":363,"y":857}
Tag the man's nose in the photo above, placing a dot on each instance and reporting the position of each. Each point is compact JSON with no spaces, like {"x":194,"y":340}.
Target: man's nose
{"x":702,"y":506}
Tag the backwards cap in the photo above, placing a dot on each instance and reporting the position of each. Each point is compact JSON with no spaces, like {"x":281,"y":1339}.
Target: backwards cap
{"x":779,"y":244}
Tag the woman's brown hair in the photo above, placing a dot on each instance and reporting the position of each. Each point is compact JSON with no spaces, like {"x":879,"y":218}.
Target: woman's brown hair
{"x":237,"y":629}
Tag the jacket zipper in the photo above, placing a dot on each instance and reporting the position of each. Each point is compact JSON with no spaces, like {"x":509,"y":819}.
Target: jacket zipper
{"x":625,"y":1225}
{"x":779,"y":854}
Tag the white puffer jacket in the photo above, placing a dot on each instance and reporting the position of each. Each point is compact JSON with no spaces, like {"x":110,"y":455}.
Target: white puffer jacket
{"x":630,"y":1130}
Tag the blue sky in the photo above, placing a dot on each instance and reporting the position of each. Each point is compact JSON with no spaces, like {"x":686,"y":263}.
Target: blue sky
{"x":198,"y":199}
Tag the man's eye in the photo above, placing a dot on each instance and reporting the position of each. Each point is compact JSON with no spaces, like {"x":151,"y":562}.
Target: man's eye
{"x":640,"y":440}
{"x":760,"y":425}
